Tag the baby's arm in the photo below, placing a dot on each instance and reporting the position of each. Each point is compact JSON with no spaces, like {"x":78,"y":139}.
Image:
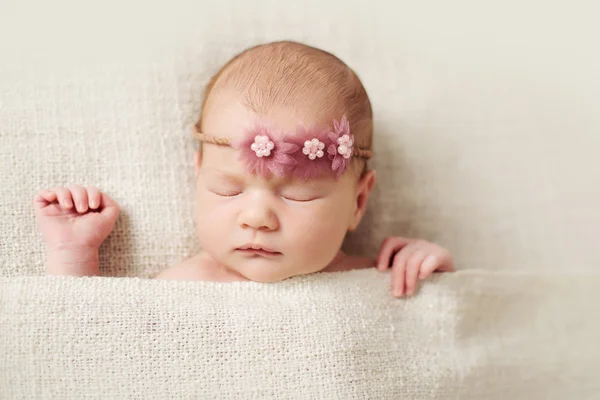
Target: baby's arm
{"x":178,"y":273}
{"x":74,"y":222}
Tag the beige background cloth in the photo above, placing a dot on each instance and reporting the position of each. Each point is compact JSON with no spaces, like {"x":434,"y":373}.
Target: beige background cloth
{"x":486,"y":142}
{"x":486,"y":120}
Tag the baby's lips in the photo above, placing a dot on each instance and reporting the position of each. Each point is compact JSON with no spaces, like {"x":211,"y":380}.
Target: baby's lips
{"x":258,"y":247}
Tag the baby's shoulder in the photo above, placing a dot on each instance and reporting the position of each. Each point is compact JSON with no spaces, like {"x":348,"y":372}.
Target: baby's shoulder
{"x":200,"y":267}
{"x":196,"y":268}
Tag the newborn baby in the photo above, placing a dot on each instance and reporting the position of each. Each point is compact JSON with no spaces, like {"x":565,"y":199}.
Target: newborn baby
{"x":281,"y":177}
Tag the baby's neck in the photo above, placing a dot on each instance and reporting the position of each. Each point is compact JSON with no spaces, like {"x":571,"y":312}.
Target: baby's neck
{"x":343,"y":262}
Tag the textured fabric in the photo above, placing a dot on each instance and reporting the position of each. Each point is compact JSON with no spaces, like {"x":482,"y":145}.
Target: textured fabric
{"x":470,"y":335}
{"x":486,"y":129}
{"x":486,"y":120}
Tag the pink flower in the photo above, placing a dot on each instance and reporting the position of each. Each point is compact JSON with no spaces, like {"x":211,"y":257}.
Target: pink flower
{"x":345,"y":146}
{"x":264,"y":153}
{"x":313,"y":148}
{"x":312,"y":141}
{"x":340,"y":152}
{"x":262,"y":146}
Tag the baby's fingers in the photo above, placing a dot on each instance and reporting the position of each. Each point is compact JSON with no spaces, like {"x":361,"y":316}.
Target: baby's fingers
{"x":94,"y":197}
{"x":440,"y":261}
{"x":43,"y":198}
{"x":390,"y":246}
{"x":64,"y":197}
{"x":413,"y":266}
{"x":80,"y":198}
{"x":399,"y":270}
{"x":110,"y":208}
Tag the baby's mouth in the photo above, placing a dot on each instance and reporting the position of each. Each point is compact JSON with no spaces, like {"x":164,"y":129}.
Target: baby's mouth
{"x":254,"y":249}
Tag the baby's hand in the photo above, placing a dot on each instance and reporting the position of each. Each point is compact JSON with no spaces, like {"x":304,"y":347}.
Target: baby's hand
{"x":411,"y":259}
{"x":74,"y":217}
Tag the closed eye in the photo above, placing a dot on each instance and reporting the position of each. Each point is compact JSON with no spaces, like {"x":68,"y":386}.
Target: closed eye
{"x":301,"y":193}
{"x":225,"y":193}
{"x":301,"y":199}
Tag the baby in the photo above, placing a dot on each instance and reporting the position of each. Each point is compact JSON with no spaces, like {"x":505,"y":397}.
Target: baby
{"x":281,"y":177}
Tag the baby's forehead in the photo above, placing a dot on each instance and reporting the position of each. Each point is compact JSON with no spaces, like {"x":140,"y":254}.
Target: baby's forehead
{"x":227,"y":115}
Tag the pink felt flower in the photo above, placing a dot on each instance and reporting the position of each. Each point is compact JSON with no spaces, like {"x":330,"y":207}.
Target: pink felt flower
{"x":310,"y":161}
{"x":341,"y":149}
{"x":264,"y":153}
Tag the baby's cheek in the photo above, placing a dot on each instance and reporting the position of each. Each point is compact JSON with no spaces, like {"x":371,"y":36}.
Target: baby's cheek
{"x":207,"y":226}
{"x":319,"y":238}
{"x":202,"y":227}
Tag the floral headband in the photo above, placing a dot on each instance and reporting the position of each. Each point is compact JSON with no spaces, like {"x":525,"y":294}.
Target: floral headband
{"x":306,"y":155}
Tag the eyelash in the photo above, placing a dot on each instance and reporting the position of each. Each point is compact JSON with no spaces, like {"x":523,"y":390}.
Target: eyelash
{"x":300,"y":200}
{"x":289,"y":198}
{"x":231,"y":194}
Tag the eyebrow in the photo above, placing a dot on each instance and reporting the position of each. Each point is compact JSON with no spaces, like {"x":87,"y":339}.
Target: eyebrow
{"x":225,"y":174}
{"x":288,"y":182}
{"x":313,"y":184}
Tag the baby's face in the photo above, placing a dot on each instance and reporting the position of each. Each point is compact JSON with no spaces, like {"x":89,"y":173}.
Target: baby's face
{"x":267,"y":229}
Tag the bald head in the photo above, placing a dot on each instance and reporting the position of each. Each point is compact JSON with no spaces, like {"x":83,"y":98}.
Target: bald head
{"x":306,"y":84}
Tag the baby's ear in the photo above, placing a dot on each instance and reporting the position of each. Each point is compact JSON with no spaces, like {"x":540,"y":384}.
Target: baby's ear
{"x":363,"y":191}
{"x":197,"y":161}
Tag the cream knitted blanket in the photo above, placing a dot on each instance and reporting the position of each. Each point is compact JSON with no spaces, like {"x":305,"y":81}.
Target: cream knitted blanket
{"x":469,"y":335}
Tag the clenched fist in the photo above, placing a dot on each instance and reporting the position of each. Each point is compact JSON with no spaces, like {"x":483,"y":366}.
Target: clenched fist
{"x":74,"y":222}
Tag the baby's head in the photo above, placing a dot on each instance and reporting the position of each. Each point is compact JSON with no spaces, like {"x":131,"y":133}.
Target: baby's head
{"x":296,"y":206}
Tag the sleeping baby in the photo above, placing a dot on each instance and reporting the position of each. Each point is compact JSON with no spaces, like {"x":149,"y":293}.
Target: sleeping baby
{"x":281,"y":176}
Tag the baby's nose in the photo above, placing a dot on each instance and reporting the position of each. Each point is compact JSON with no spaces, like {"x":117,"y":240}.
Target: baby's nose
{"x":259,"y":216}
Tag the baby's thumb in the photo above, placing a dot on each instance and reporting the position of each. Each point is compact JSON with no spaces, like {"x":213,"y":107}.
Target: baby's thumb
{"x":109,"y":208}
